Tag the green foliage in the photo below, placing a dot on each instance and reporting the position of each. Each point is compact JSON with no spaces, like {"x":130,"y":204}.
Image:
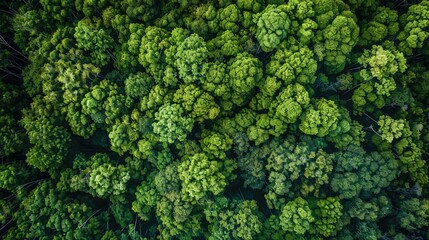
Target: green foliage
{"x":108,"y":180}
{"x":296,"y":216}
{"x":201,"y":105}
{"x":138,"y":85}
{"x":176,"y":218}
{"x":12,"y":139}
{"x":390,"y":128}
{"x":127,"y":57}
{"x":245,"y":72}
{"x":296,"y":64}
{"x":50,"y":140}
{"x":96,"y":176}
{"x":251,"y":162}
{"x":49,"y":212}
{"x":251,"y":5}
{"x":383,"y":65}
{"x":272,"y":27}
{"x":14,"y":175}
{"x":415,"y":27}
{"x":320,"y":119}
{"x":146,"y":199}
{"x":92,"y":103}
{"x":384,"y":23}
{"x":347,"y":132}
{"x":367,"y":231}
{"x":327,"y":215}
{"x":216,"y":144}
{"x":287,"y":107}
{"x":234,"y":219}
{"x":366,"y":98}
{"x":170,"y":124}
{"x":190,"y":119}
{"x":190,"y":56}
{"x":124,"y":136}
{"x":200,"y":175}
{"x":296,"y":167}
{"x":97,"y":41}
{"x":227,"y":18}
{"x":226,"y":44}
{"x":143,"y":10}
{"x":410,"y":155}
{"x":414,"y":214}
{"x":152,"y":47}
{"x":358,"y":171}
{"x":372,"y":210}
{"x":336,"y":41}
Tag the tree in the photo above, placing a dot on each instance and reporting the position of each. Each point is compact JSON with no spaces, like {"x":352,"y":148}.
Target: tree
{"x":143,"y":10}
{"x":119,"y":23}
{"x":251,"y":5}
{"x":200,"y":175}
{"x":347,"y":132}
{"x":146,"y":200}
{"x":390,"y":128}
{"x":365,"y":98}
{"x":228,"y":119}
{"x":13,"y":176}
{"x":97,"y":41}
{"x":327,"y":214}
{"x":127,"y":56}
{"x":153,"y":44}
{"x":367,"y":230}
{"x":59,"y":10}
{"x":97,"y":176}
{"x":108,"y":180}
{"x":296,"y":216}
{"x":177,"y":219}
{"x":376,"y":208}
{"x":296,"y":168}
{"x":245,"y":72}
{"x":12,"y":138}
{"x":410,"y":155}
{"x":384,"y":23}
{"x":89,"y":7}
{"x":227,"y":18}
{"x":238,"y":219}
{"x":47,"y":212}
{"x":294,"y":64}
{"x":199,"y":104}
{"x":272,"y":27}
{"x":320,"y":119}
{"x":138,"y":85}
{"x":336,"y":41}
{"x":216,"y":144}
{"x":170,"y":125}
{"x":226,"y":44}
{"x":287,"y":107}
{"x":260,"y":132}
{"x":415,"y":27}
{"x":414,"y":214}
{"x":50,"y":140}
{"x":252,"y":165}
{"x":92,"y":103}
{"x":190,"y":57}
{"x":383,"y":65}
{"x":357,"y":171}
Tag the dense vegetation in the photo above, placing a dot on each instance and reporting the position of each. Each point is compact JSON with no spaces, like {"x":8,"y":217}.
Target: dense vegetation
{"x":221,"y":119}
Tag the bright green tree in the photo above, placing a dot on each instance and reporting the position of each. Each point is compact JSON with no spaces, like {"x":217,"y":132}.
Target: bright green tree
{"x":272,"y":27}
{"x":296,"y":216}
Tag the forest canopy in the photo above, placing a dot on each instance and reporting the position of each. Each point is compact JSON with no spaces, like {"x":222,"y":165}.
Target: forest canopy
{"x":218,"y":119}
